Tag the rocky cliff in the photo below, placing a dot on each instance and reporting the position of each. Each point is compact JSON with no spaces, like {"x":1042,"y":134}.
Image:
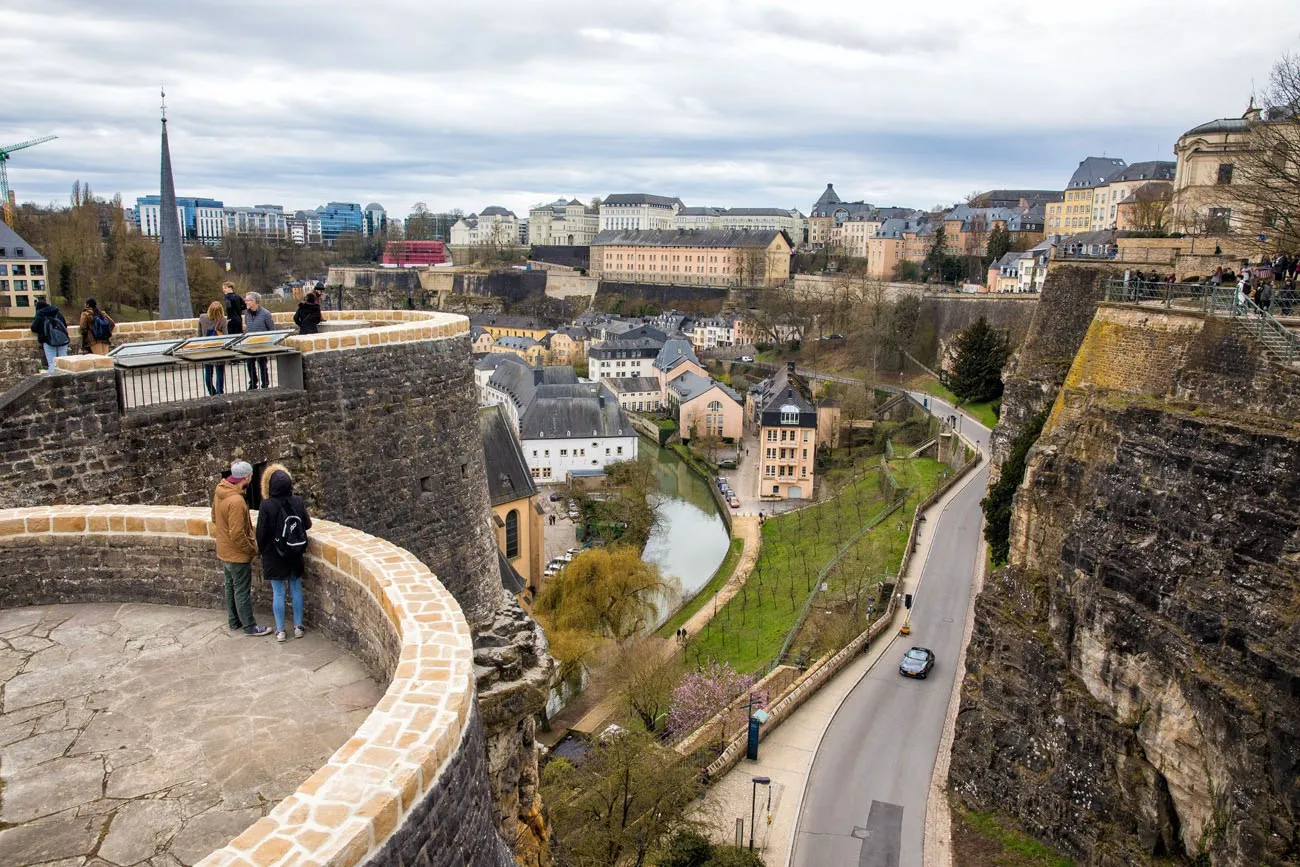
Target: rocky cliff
{"x":1133,"y":681}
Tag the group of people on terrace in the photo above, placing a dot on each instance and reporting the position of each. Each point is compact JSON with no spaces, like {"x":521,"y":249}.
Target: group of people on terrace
{"x":279,"y":540}
{"x":1268,"y":286}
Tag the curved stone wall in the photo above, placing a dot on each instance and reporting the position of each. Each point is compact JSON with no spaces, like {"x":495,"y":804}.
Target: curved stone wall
{"x":412,"y":782}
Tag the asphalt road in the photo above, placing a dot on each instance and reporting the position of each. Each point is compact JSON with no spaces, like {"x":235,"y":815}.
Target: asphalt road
{"x":864,"y":805}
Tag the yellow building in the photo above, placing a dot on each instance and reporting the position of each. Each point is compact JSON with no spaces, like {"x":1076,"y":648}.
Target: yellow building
{"x":22,"y":274}
{"x":566,"y":346}
{"x":530,"y":350}
{"x":1077,"y":207}
{"x":782,"y":411}
{"x":516,"y":505}
{"x":705,"y":257}
{"x":503,"y":325}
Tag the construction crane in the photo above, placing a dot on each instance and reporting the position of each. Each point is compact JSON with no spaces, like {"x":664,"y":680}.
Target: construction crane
{"x":6,"y":197}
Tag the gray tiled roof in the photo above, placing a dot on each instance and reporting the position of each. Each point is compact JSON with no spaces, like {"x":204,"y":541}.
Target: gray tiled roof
{"x":510,"y":577}
{"x":12,"y":242}
{"x":495,"y":211}
{"x":1222,"y":125}
{"x":641,"y":199}
{"x":685,"y":238}
{"x":514,"y":377}
{"x":691,"y":385}
{"x":674,"y":351}
{"x":575,"y":411}
{"x":1150,"y":170}
{"x":493,"y":360}
{"x":1093,"y":171}
{"x":516,"y":342}
{"x":632,"y":384}
{"x":508,"y":477}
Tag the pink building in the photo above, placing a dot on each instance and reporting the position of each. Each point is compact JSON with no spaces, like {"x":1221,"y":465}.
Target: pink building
{"x":705,"y":407}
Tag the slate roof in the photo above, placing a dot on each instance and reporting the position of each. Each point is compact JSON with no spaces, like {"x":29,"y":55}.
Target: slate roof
{"x":574,"y":412}
{"x":642,"y":199}
{"x":476,"y":331}
{"x":640,"y":332}
{"x":1222,"y":125}
{"x":492,"y":360}
{"x":825,"y":204}
{"x":640,"y":347}
{"x":1093,"y":171}
{"x":1154,"y":192}
{"x":674,"y":351}
{"x":691,"y":385}
{"x":12,"y":242}
{"x":510,"y":577}
{"x":756,"y":212}
{"x":686,"y":238}
{"x":632,"y":384}
{"x":508,"y":477}
{"x":495,"y":211}
{"x":516,"y":342}
{"x":513,"y":376}
{"x":1150,"y":170}
{"x":781,"y":388}
{"x":1012,"y":198}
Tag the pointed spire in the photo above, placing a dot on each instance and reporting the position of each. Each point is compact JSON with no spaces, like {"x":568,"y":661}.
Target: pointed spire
{"x":173,"y":284}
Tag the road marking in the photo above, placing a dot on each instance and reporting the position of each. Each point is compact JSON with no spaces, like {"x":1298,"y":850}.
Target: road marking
{"x":883,"y":841}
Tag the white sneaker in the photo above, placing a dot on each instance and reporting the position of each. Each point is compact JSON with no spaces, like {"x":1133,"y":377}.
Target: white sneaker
{"x":280,"y":636}
{"x":297,"y":632}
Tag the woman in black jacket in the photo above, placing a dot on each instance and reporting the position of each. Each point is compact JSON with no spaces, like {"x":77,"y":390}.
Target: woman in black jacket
{"x":308,"y":317}
{"x":282,"y":525}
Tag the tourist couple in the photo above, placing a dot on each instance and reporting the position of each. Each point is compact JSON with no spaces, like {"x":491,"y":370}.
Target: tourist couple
{"x":281,"y":540}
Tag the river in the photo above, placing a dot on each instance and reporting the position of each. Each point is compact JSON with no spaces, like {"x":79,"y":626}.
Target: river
{"x":690,"y":540}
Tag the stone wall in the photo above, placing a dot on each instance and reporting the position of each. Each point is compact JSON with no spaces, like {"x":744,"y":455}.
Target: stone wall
{"x":413,"y":780}
{"x":383,"y":437}
{"x":1036,"y":370}
{"x":1133,"y":680}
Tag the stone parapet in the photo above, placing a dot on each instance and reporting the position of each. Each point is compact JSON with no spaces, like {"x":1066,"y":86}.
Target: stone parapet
{"x":412,"y":782}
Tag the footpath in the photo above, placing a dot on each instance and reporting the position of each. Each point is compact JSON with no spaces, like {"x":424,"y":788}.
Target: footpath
{"x":786,"y":755}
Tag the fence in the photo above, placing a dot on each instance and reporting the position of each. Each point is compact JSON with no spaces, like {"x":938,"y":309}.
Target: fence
{"x":140,"y":387}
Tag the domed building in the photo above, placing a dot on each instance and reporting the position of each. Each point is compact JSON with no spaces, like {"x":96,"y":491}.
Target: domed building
{"x":1204,"y":201}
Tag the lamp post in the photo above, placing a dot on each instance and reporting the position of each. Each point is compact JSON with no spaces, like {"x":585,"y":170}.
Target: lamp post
{"x":753,"y":797}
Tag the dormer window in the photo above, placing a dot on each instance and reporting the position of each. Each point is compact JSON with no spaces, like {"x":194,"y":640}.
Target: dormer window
{"x":789,"y":414}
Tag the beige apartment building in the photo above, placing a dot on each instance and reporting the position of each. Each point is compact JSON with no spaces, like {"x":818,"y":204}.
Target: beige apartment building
{"x":1124,"y":183}
{"x":702,"y":257}
{"x":1077,"y":209}
{"x":1203,"y":199}
{"x":563,"y":223}
{"x":22,"y":274}
{"x":785,"y":417}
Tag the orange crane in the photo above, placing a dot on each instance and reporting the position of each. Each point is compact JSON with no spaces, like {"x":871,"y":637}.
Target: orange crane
{"x":6,"y":196}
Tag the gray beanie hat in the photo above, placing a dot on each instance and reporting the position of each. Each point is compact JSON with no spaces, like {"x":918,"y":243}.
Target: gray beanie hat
{"x":241,"y":470}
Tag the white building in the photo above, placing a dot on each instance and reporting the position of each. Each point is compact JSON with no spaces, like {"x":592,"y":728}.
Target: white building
{"x":618,"y":359}
{"x":305,"y":228}
{"x":638,"y":211}
{"x":563,"y":223}
{"x":494,"y":226}
{"x":637,"y":393}
{"x":263,"y":221}
{"x":713,"y":331}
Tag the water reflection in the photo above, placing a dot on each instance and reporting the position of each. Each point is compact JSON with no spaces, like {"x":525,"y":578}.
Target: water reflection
{"x":691,"y":540}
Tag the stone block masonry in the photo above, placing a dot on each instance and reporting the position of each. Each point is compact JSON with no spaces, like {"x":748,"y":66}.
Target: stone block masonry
{"x":411,"y":786}
{"x":383,"y":437}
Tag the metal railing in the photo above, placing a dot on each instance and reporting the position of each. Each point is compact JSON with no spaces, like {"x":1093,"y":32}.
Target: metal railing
{"x":1225,"y":301}
{"x":140,"y":387}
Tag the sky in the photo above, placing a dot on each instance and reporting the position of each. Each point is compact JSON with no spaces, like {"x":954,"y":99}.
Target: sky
{"x":734,"y":103}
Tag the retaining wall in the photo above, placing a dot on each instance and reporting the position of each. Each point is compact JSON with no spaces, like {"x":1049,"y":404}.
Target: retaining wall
{"x":411,"y":786}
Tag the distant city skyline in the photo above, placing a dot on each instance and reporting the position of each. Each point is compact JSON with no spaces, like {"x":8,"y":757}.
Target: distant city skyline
{"x":730,"y":104}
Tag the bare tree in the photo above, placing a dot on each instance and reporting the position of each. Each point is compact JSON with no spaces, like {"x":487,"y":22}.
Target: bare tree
{"x":1267,"y":177}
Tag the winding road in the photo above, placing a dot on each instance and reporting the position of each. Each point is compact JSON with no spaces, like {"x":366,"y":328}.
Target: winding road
{"x":865,"y":801}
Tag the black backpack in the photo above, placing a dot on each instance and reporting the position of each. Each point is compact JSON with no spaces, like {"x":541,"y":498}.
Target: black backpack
{"x":291,"y":535}
{"x":101,"y":327}
{"x":56,"y":333}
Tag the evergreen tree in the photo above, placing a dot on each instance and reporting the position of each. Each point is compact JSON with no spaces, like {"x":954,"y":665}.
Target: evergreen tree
{"x":938,"y":252}
{"x":997,"y":505}
{"x":999,"y":245}
{"x":977,"y":368}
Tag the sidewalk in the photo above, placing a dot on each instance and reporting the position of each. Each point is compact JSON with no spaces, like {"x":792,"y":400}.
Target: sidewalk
{"x":786,"y":755}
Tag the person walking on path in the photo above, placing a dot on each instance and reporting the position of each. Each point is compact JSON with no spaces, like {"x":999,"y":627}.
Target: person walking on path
{"x":51,"y":330}
{"x":96,"y":329}
{"x":212,"y":324}
{"x":236,"y":547}
{"x":234,"y":307}
{"x":308,"y":316}
{"x":282,"y":525}
{"x":257,"y":318}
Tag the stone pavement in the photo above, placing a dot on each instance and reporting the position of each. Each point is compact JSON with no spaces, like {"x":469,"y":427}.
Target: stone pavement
{"x":786,"y":755}
{"x":152,"y":735}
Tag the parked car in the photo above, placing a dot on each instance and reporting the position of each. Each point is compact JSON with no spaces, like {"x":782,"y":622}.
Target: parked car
{"x":917,"y":662}
{"x":727,"y":464}
{"x":746,"y":358}
{"x":555,"y":498}
{"x":733,"y":501}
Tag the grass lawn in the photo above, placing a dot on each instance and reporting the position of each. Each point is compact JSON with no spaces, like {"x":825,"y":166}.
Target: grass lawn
{"x":707,"y":592}
{"x":749,"y":630}
{"x":984,"y":840}
{"x":983,"y":411}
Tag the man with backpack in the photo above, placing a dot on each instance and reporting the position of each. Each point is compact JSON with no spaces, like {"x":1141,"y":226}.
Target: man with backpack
{"x":282,"y":525}
{"x":96,"y":329}
{"x":51,"y":330}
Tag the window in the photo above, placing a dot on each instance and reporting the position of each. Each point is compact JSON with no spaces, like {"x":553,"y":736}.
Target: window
{"x":805,"y":436}
{"x":1225,"y":173}
{"x":20,"y":270}
{"x":38,"y":270}
{"x":21,"y":301}
{"x":803,"y":471}
{"x":770,"y":470}
{"x":789,"y":414}
{"x":771,"y":436}
{"x":512,"y":534}
{"x":620,"y":450}
{"x":564,"y":453}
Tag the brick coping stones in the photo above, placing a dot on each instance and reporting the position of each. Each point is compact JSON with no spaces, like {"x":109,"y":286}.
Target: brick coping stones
{"x":344,"y":812}
{"x":386,"y":326}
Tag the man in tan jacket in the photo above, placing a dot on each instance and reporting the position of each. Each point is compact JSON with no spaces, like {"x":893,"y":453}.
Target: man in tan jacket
{"x":236,"y":547}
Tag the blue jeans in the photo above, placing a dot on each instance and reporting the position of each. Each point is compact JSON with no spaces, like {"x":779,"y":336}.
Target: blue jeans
{"x":53,"y":352}
{"x":215,"y":372}
{"x":277,"y":600}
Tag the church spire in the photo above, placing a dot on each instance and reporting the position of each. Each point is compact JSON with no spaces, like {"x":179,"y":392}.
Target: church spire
{"x":173,"y":284}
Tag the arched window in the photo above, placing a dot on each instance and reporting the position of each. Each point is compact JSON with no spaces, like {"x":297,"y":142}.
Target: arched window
{"x":715,"y":406}
{"x":512,"y":534}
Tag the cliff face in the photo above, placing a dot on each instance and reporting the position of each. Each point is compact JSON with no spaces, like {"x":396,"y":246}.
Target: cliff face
{"x":1133,"y":681}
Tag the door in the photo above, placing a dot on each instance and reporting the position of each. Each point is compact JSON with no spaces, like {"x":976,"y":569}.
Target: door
{"x":795,"y":493}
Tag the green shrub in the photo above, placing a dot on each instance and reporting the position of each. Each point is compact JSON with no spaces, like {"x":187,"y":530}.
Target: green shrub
{"x":997,"y":505}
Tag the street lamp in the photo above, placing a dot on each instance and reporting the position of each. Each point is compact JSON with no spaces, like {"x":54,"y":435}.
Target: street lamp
{"x":753,"y":797}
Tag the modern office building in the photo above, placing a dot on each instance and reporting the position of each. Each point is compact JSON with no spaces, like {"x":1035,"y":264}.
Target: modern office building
{"x":263,"y":221}
{"x":201,"y":220}
{"x":374,"y":219}
{"x":339,"y":218}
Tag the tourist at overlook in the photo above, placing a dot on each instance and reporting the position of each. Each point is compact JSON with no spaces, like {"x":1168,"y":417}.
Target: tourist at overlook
{"x":282,"y":525}
{"x":212,"y":324}
{"x":236,"y":547}
{"x":308,"y":316}
{"x":96,"y":329}
{"x":234,"y":307}
{"x":257,"y":318}
{"x":51,"y":330}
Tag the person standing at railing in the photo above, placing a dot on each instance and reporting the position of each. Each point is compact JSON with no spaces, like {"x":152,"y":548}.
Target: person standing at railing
{"x":51,"y":330}
{"x":308,"y":315}
{"x":96,"y":329}
{"x":1264,"y":298}
{"x":211,"y":324}
{"x":233,"y":305}
{"x":257,"y":318}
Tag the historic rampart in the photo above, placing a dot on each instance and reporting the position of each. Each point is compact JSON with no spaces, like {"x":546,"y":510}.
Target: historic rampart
{"x":382,"y":437}
{"x":411,"y":785}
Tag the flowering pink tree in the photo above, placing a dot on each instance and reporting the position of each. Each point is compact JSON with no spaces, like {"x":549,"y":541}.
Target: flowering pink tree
{"x":704,"y":693}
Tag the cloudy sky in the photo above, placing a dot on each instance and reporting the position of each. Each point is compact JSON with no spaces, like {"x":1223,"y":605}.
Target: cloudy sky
{"x":514,"y":102}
